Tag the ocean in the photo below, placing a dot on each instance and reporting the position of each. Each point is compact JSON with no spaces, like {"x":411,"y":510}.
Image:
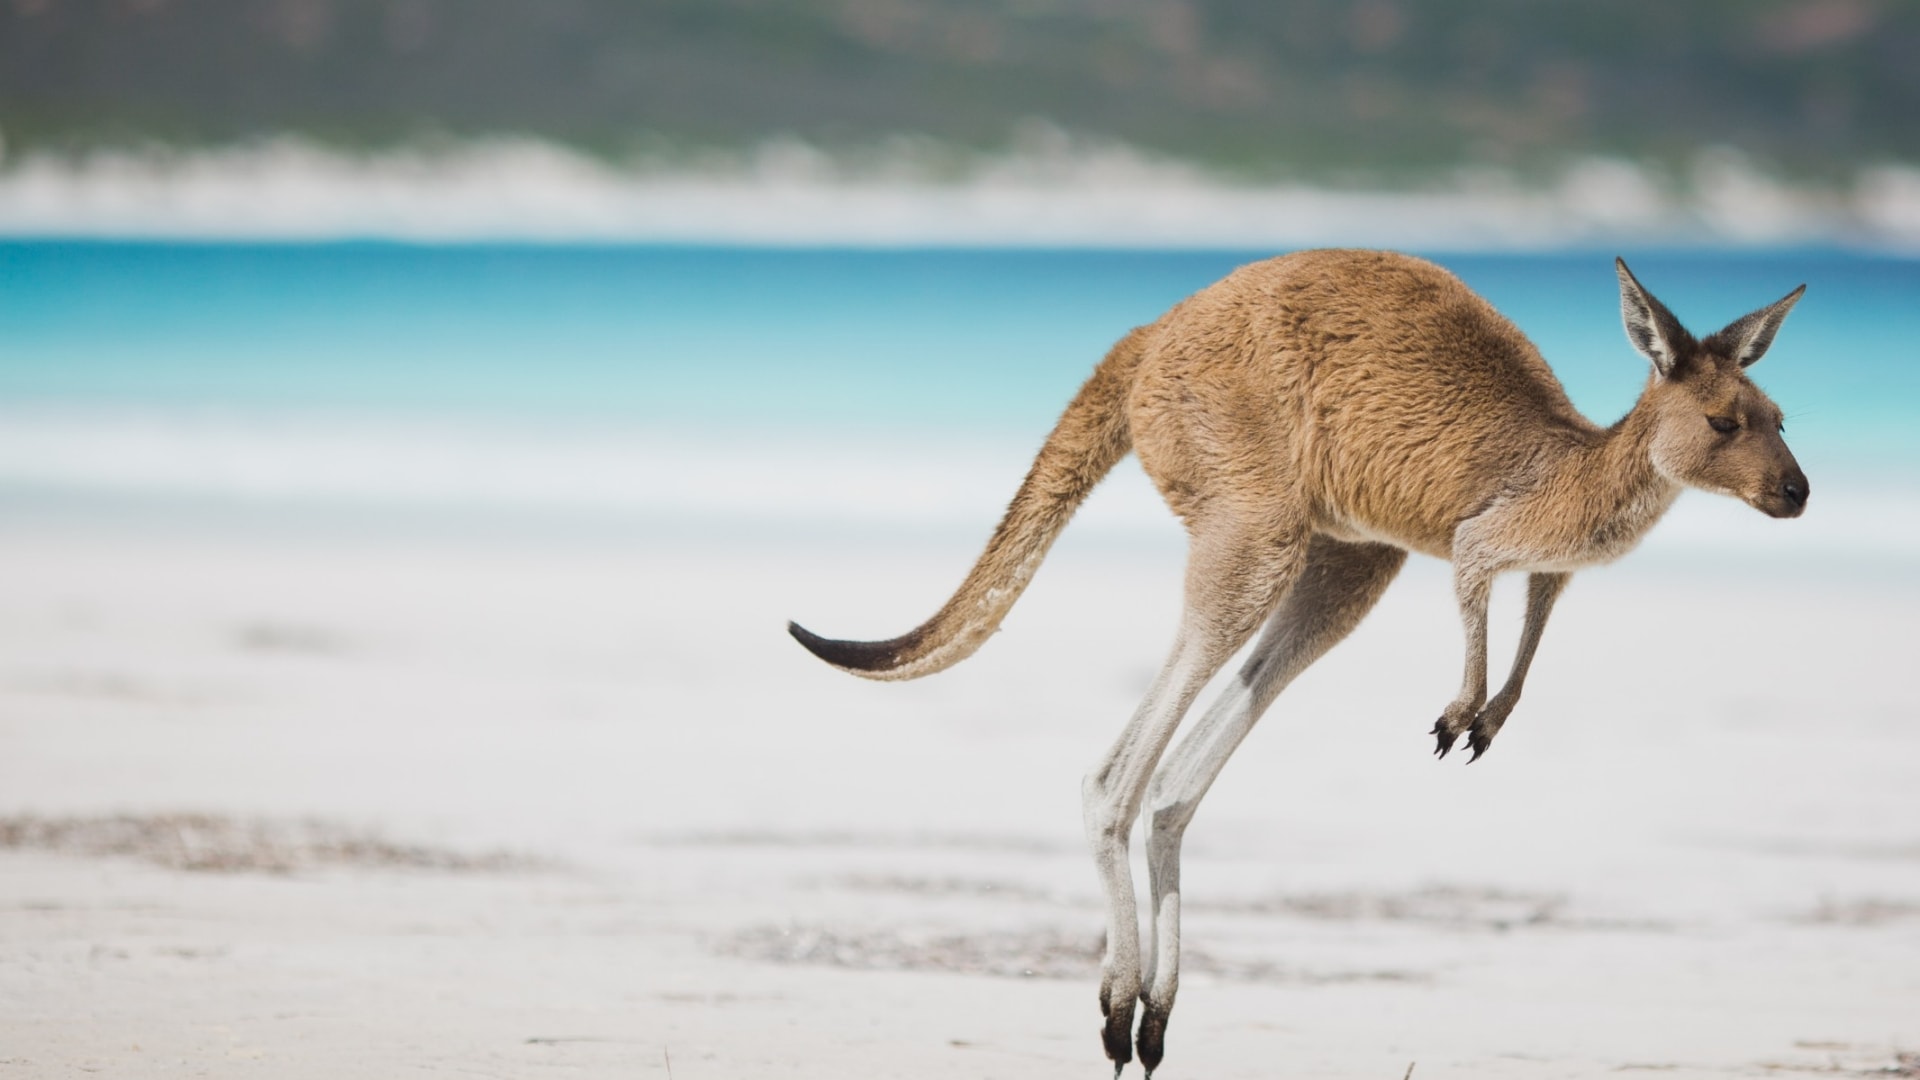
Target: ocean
{"x":879,"y":386}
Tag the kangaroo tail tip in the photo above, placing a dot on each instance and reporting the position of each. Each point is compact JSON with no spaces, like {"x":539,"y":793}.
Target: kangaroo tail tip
{"x":873,"y":659}
{"x":814,"y":642}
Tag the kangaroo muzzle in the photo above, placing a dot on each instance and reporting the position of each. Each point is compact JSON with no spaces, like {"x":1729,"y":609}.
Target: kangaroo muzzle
{"x":1788,"y":499}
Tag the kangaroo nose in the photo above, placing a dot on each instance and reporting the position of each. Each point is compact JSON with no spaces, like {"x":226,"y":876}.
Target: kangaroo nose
{"x":1795,"y":489}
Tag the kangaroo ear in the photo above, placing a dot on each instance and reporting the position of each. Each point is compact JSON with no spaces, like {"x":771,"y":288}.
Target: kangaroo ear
{"x":1650,"y":326}
{"x":1745,"y":339}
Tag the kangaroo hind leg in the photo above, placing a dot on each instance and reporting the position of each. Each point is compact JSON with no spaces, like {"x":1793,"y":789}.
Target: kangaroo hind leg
{"x":1236,"y":574}
{"x":1339,"y":585}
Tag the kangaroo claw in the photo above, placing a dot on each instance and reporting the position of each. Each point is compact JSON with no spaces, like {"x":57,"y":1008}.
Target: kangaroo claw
{"x":1444,"y":738}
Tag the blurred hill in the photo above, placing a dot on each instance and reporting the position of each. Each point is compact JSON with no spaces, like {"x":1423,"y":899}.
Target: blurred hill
{"x":1308,"y":88}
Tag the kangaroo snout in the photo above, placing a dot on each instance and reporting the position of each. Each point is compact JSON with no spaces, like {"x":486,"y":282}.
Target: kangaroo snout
{"x":1788,"y":499}
{"x":1794,"y":490}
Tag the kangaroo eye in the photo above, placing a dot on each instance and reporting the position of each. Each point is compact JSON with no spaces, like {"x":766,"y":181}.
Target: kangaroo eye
{"x":1724,"y":425}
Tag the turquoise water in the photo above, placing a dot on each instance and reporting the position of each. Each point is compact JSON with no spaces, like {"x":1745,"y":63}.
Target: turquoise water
{"x":830,"y":344}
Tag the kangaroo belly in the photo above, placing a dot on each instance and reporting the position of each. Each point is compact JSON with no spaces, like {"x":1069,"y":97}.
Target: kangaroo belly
{"x":1366,"y":505}
{"x":1407,"y":477}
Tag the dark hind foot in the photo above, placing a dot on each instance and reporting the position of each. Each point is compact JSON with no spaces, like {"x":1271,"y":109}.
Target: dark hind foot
{"x":1153,"y":1038}
{"x":1117,"y":1035}
{"x":1119,"y":1046}
{"x":1444,"y":739}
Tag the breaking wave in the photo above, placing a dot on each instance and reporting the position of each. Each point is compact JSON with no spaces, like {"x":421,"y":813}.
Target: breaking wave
{"x":1053,"y":190}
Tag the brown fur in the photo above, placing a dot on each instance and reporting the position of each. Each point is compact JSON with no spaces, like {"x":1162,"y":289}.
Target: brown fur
{"x":1310,"y":419}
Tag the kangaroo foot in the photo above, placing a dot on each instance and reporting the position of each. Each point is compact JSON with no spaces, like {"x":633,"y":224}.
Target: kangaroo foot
{"x":1117,"y":1034}
{"x":1153,"y":1038}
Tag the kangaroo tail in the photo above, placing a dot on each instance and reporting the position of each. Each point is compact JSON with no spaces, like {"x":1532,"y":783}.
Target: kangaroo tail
{"x":1090,"y":439}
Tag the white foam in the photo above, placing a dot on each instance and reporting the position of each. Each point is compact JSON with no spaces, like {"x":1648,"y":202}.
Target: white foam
{"x":1050,"y":189}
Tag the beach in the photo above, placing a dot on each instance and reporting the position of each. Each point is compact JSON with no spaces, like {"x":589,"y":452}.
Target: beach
{"x":301,"y":800}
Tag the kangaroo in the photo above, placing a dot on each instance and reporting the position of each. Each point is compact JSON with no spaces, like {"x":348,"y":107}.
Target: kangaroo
{"x":1311,"y":419}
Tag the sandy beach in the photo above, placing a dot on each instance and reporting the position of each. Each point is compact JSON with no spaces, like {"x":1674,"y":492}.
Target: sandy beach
{"x":298,"y":798}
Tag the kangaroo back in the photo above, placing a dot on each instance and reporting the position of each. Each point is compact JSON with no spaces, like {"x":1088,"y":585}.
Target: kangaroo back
{"x":1090,"y":439}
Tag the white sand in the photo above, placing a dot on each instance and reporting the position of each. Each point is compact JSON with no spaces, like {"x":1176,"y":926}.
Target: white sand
{"x":1694,"y":850}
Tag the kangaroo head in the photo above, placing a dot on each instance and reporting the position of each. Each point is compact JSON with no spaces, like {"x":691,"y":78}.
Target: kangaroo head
{"x":1714,"y":429}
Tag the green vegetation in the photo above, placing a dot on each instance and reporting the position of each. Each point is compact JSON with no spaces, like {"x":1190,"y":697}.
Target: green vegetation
{"x":1306,"y":88}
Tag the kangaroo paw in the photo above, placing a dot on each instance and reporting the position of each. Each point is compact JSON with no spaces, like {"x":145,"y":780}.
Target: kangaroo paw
{"x":1478,"y":739}
{"x":1444,"y":737}
{"x":1487,"y":725}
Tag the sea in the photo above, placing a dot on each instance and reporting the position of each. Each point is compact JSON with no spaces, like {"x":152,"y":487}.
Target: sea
{"x":753,"y":388}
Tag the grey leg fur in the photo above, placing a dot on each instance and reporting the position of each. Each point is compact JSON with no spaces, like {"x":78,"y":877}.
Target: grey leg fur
{"x":1338,"y":587}
{"x":1232,"y":584}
